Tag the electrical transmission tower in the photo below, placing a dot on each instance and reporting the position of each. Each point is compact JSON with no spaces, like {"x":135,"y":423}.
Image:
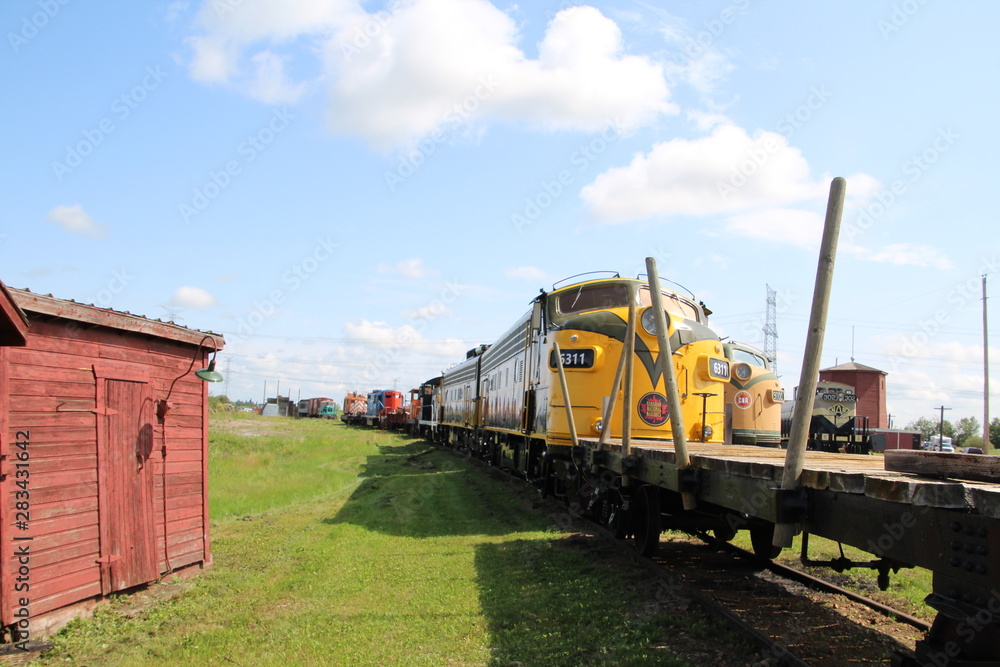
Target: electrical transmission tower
{"x":771,"y":330}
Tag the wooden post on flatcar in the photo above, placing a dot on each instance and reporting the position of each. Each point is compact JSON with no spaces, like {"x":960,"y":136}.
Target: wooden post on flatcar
{"x":609,"y":410}
{"x":798,"y":438}
{"x":629,"y":353}
{"x":565,"y":391}
{"x":666,"y":363}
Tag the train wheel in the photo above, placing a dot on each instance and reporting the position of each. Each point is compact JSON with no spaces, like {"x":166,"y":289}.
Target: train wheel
{"x":645,"y":520}
{"x":724,"y":534}
{"x":760,"y":539}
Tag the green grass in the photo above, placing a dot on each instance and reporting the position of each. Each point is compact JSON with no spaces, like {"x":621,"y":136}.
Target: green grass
{"x":338,"y":546}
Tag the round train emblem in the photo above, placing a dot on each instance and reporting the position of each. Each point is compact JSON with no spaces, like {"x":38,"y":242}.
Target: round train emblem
{"x":653,"y":409}
{"x":742,"y":399}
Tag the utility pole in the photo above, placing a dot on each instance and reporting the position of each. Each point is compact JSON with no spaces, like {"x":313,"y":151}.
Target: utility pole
{"x":941,"y":427}
{"x":986,"y":376}
{"x":771,"y":330}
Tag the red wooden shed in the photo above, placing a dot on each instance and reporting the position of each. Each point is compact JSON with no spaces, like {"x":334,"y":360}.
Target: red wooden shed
{"x":103,"y":455}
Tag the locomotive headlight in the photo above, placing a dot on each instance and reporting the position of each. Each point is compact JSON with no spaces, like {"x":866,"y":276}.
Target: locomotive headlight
{"x":648,"y":320}
{"x":598,"y":426}
{"x":742,"y":371}
{"x":706,"y":433}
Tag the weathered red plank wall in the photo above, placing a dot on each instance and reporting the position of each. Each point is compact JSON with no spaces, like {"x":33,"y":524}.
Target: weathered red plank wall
{"x":117,"y":496}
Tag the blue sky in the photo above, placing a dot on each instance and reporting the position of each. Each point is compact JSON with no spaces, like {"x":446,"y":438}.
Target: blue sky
{"x":355,"y":194}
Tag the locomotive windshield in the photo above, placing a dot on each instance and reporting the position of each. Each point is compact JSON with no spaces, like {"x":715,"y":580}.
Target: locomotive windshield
{"x":672,"y":304}
{"x":748,"y":357}
{"x":592,"y":297}
{"x":601,"y":296}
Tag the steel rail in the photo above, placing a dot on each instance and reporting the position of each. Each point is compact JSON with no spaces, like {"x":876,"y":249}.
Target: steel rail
{"x":777,"y":650}
{"x":819,"y":584}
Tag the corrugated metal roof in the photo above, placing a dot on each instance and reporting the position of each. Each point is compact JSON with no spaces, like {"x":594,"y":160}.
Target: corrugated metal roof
{"x":46,"y":304}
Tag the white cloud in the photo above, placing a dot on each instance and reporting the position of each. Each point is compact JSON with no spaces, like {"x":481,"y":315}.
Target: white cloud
{"x":429,"y":312}
{"x":414,"y":268}
{"x":410,"y":269}
{"x":781,"y":225}
{"x":214,"y":61}
{"x":421,"y":66}
{"x":759,"y":183}
{"x":726,"y":171}
{"x":908,"y":254}
{"x":191,"y":297}
{"x":271,"y":84}
{"x":393,"y":341}
{"x":75,"y":220}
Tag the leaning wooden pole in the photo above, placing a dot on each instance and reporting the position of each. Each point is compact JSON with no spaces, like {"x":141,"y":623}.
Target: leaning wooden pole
{"x":809,"y":378}
{"x":666,"y":366}
{"x":565,"y":392}
{"x":609,"y":410}
{"x":627,"y":408}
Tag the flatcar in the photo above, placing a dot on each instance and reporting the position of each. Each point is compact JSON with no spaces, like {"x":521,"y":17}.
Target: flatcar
{"x":505,"y":402}
{"x":834,"y":425}
{"x":753,"y":397}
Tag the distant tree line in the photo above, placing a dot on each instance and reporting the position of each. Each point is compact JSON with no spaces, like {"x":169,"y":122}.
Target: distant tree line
{"x":223,"y":404}
{"x":966,"y":432}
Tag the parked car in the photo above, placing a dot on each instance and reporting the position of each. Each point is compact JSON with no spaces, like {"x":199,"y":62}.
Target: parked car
{"x":972,"y":450}
{"x":935,"y":447}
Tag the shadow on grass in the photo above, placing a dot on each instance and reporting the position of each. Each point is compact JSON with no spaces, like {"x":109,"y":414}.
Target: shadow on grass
{"x":560,"y":602}
{"x":414,"y":489}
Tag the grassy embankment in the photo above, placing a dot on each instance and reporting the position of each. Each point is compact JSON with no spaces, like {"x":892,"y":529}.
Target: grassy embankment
{"x":336,"y":546}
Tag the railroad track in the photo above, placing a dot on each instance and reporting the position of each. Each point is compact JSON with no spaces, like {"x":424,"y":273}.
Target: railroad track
{"x":793,"y":617}
{"x":821,"y":584}
{"x":772,"y":653}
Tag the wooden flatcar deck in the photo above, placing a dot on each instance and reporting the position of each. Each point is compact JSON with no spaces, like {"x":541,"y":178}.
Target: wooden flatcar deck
{"x":823,"y":471}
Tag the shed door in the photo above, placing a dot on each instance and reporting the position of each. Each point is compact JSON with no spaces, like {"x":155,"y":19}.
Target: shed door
{"x":125,"y":482}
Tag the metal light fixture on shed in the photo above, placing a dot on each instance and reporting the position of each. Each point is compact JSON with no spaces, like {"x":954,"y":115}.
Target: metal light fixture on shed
{"x":210,"y":374}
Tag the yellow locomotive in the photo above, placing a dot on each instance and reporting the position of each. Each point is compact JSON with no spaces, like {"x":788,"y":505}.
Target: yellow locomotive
{"x":505,"y":401}
{"x":753,"y":396}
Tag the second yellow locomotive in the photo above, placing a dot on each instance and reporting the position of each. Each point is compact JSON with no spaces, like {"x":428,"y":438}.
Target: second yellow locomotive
{"x":753,"y":396}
